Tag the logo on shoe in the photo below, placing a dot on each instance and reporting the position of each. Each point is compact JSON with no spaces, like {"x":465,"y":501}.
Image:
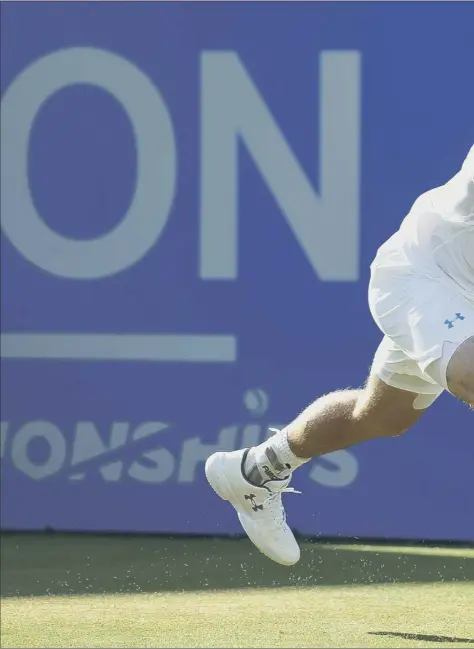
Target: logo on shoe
{"x":269,"y":473}
{"x":255,"y":507}
{"x":450,"y":323}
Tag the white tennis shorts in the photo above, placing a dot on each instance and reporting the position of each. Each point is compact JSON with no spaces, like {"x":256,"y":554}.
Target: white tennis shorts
{"x":424,"y":320}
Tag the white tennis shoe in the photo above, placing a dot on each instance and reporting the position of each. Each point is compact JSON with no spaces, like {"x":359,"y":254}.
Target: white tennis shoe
{"x":259,"y":508}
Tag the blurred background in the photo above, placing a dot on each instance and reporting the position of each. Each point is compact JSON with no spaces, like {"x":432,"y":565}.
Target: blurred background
{"x":192,"y":194}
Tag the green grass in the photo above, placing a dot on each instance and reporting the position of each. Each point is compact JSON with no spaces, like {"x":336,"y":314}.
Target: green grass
{"x":83,"y":591}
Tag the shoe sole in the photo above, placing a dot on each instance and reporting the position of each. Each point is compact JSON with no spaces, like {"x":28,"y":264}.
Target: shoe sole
{"x":215,"y":474}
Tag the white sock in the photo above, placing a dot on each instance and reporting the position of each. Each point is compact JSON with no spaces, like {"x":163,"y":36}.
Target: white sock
{"x":272,"y":460}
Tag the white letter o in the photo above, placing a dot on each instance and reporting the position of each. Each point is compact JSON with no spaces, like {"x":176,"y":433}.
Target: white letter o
{"x":140,"y":228}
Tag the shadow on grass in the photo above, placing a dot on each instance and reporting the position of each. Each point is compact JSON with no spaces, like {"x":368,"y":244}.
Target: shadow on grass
{"x":56,"y":564}
{"x":445,"y":639}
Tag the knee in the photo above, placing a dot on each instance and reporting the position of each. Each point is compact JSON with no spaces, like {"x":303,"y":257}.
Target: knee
{"x":377,"y":424}
{"x":383,"y":411}
{"x":460,"y":373}
{"x":462,"y":386}
{"x":385,"y":428}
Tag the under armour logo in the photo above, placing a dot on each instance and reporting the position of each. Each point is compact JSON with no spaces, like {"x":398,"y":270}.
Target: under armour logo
{"x":255,"y":507}
{"x":450,"y":323}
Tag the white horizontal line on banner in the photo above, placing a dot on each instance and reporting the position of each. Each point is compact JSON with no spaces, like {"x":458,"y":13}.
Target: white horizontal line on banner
{"x":170,"y":348}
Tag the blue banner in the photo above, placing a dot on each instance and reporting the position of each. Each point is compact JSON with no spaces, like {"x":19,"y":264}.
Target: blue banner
{"x":192,"y":194}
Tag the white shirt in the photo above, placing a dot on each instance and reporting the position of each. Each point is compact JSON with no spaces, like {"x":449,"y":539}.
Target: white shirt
{"x":437,"y":236}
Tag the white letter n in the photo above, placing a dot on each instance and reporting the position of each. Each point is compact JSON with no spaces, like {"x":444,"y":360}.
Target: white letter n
{"x":325,"y":225}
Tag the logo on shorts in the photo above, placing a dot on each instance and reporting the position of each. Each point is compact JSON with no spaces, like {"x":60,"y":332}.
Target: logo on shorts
{"x":450,"y":323}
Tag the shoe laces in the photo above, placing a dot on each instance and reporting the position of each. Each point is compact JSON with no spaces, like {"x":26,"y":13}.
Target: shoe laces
{"x":275,"y":513}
